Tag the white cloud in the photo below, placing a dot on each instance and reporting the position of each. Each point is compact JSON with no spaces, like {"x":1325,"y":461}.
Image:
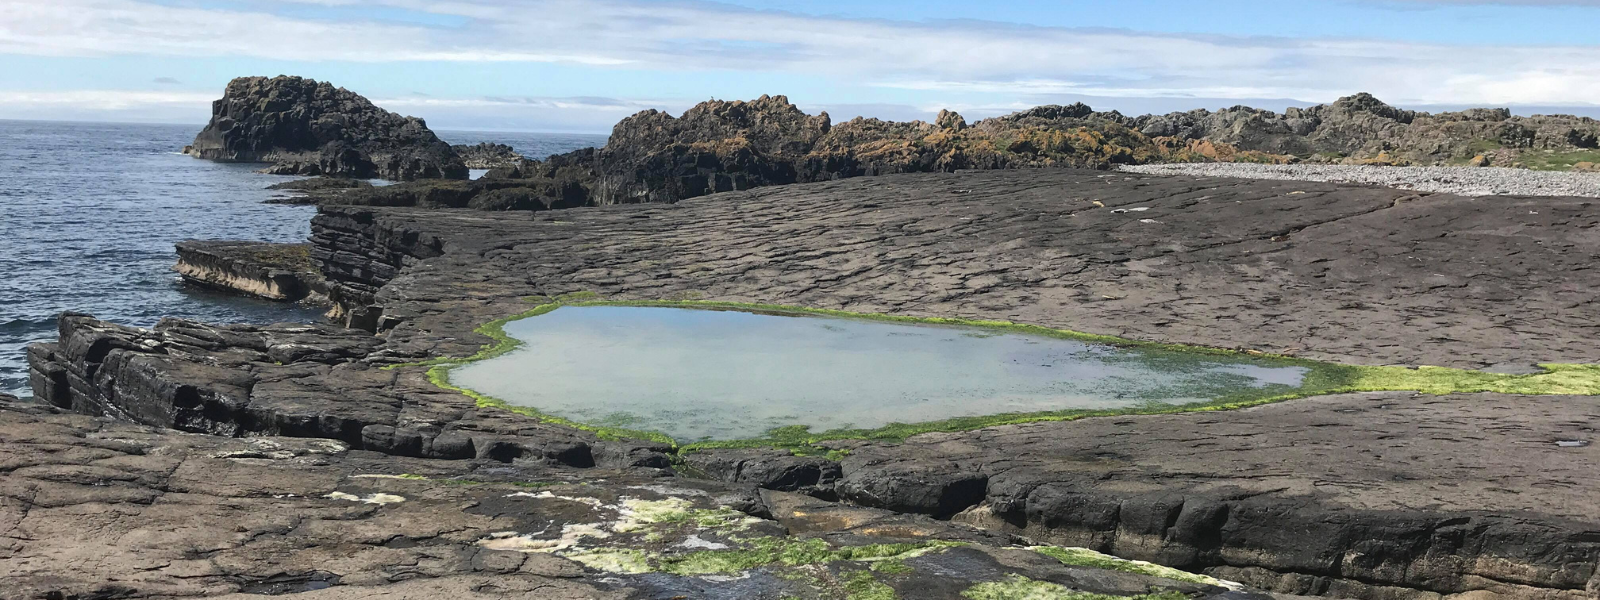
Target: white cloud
{"x":108,"y":105}
{"x":932,"y":57}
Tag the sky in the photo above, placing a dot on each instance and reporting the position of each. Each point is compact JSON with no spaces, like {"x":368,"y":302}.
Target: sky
{"x":579,"y":66}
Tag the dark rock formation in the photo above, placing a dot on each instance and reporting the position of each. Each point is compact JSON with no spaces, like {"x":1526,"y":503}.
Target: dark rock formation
{"x":314,"y":190}
{"x":1361,"y":129}
{"x":721,"y":146}
{"x":317,"y":184}
{"x":1383,"y":496}
{"x":488,"y":155}
{"x":282,"y":272}
{"x":307,"y":127}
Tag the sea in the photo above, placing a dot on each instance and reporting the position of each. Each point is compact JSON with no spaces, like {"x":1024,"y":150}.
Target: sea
{"x":91,"y":212}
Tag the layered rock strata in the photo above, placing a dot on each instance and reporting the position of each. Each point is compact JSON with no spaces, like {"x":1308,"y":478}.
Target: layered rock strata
{"x":95,"y":508}
{"x":281,"y":272}
{"x":306,"y":127}
{"x":1372,"y":496}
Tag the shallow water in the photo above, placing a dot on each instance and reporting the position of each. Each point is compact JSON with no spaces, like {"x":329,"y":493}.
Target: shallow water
{"x":701,"y":374}
{"x":89,"y":213}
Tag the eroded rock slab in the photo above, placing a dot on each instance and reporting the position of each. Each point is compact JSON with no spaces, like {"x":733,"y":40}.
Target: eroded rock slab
{"x":91,"y":508}
{"x":280,"y":272}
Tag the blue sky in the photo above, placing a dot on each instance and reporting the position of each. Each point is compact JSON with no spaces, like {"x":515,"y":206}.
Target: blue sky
{"x":570,"y":65}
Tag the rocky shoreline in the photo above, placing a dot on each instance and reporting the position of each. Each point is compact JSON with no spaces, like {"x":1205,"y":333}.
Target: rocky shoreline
{"x":1386,"y":495}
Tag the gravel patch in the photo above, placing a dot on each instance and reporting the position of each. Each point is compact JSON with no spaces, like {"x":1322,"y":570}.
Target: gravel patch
{"x":1464,"y":181}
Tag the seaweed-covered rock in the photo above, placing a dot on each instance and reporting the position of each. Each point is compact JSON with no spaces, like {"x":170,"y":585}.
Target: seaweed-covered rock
{"x":306,"y":127}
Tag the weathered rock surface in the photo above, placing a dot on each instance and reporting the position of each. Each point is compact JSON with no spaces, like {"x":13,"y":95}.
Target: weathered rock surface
{"x":282,"y":272}
{"x":1384,"y":496}
{"x":1352,"y":496}
{"x":306,"y":127}
{"x":91,"y":508}
{"x":488,"y":155}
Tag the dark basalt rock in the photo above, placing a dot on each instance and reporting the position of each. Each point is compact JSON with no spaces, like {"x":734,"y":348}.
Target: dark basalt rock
{"x":721,"y":146}
{"x":312,"y":184}
{"x":1362,"y":129}
{"x":770,"y":469}
{"x":307,"y":127}
{"x":488,"y":155}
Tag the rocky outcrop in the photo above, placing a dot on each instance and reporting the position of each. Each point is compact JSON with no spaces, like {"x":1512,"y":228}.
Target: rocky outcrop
{"x":1361,"y":129}
{"x":488,"y":155}
{"x":1382,"y":496}
{"x":721,"y":146}
{"x":307,"y":127}
{"x":290,"y":380}
{"x":281,"y":272}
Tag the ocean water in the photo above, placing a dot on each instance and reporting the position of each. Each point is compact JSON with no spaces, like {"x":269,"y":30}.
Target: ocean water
{"x":725,"y":375}
{"x":91,"y":212}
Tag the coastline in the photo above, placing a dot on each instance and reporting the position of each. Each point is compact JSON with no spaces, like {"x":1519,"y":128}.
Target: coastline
{"x":926,"y":246}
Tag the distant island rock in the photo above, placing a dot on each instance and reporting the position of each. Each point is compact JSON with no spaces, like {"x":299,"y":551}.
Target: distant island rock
{"x":306,"y":127}
{"x":488,"y":155}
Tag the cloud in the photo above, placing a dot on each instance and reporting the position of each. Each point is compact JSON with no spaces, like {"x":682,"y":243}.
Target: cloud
{"x":934,"y":58}
{"x":108,"y":105}
{"x":167,"y":81}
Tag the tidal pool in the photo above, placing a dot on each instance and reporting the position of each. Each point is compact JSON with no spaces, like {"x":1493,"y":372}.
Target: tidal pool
{"x":723,"y":375}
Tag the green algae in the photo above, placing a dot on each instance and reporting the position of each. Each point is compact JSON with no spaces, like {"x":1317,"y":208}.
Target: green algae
{"x":892,"y":566}
{"x":1017,"y":587}
{"x":642,"y":515}
{"x":774,"y":551}
{"x":1322,"y":378}
{"x":1084,"y":557}
{"x":863,"y":585}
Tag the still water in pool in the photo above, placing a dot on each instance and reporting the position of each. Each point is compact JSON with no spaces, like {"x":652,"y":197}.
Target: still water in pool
{"x":721,"y":375}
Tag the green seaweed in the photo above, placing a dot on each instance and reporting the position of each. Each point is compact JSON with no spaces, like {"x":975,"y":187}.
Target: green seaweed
{"x":789,"y":552}
{"x":1084,"y":557}
{"x":1322,"y":378}
{"x":863,"y":585}
{"x":1017,"y":587}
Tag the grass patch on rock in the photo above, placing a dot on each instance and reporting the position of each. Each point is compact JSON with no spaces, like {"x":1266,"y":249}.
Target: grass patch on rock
{"x":1322,"y":378}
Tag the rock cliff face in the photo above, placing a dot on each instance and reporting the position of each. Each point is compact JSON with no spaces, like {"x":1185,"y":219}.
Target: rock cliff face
{"x":307,"y":127}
